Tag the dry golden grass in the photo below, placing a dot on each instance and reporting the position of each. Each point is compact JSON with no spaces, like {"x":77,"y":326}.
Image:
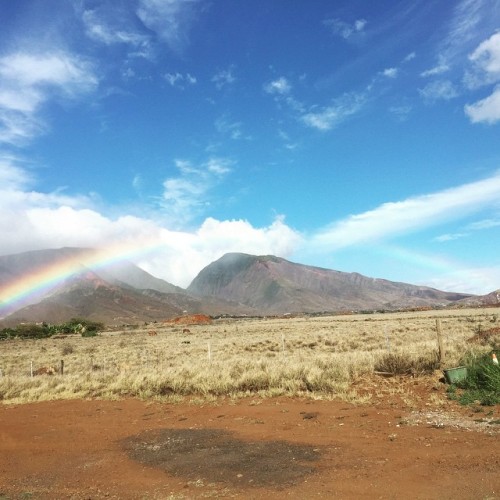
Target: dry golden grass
{"x":318,"y":356}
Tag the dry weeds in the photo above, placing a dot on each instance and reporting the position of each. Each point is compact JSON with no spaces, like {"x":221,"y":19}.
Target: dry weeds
{"x":317,"y":356}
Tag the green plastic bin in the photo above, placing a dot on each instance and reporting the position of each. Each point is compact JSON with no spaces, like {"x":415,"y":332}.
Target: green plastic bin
{"x":455,"y":375}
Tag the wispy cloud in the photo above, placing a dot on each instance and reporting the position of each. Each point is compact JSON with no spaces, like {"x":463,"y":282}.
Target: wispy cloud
{"x":395,"y":219}
{"x":345,"y":29}
{"x":187,"y":195}
{"x":226,"y":126}
{"x":470,"y":19}
{"x":110,"y":26}
{"x":486,"y":71}
{"x":27,"y":80}
{"x":401,"y":112}
{"x":279,"y":86}
{"x":450,"y":237}
{"x":436,"y":70}
{"x":171,"y":20}
{"x":484,"y":224}
{"x":224,"y":78}
{"x":12,"y":176}
{"x":439,"y":90}
{"x":469,"y":229}
{"x":330,"y":116}
{"x":390,"y":72}
{"x":179,"y":80}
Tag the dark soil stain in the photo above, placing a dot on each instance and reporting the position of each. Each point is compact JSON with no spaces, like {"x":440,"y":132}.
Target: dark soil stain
{"x":216,"y":456}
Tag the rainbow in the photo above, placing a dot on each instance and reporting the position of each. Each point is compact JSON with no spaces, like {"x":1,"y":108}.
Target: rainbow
{"x":42,"y":279}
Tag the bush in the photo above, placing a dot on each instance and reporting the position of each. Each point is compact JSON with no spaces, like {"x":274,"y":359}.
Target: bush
{"x":67,"y":349}
{"x":81,"y":325}
{"x":483,"y":380}
{"x":407,"y":364}
{"x":44,"y":330}
{"x":27,"y":331}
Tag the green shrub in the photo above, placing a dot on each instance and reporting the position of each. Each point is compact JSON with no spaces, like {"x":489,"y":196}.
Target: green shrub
{"x":44,"y":330}
{"x":27,"y":331}
{"x":483,"y":380}
{"x":89,"y":333}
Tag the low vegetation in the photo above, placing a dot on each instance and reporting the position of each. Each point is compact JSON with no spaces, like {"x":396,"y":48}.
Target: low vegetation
{"x":44,"y":330}
{"x":323,"y":357}
{"x":482,"y":384}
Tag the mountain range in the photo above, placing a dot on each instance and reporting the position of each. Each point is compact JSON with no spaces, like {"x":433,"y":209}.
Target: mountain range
{"x":236,"y":284}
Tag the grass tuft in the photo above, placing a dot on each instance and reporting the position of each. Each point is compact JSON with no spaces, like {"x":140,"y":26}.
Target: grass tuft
{"x":401,"y":363}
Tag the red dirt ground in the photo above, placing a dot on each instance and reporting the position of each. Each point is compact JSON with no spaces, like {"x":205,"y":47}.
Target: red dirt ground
{"x":191,"y":319}
{"x":82,"y":450}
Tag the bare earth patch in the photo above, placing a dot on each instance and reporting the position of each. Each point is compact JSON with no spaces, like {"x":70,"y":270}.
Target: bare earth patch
{"x":251,"y":448}
{"x":216,"y":455}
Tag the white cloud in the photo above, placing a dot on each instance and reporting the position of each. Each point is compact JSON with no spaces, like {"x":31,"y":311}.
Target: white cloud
{"x":344,"y":29}
{"x":330,"y":116}
{"x":450,"y":237}
{"x":397,"y":218}
{"x":180,"y":256}
{"x":109,"y":28}
{"x":12,"y":176}
{"x":436,"y":70}
{"x":390,"y":72}
{"x":187,"y":196}
{"x":62,"y":70}
{"x":487,"y":56}
{"x":54,"y":221}
{"x":486,"y":60}
{"x":475,"y":280}
{"x":439,"y":90}
{"x":28,"y":80}
{"x":224,"y":77}
{"x":484,"y":224}
{"x":481,"y":225}
{"x":401,"y":112}
{"x":359,"y":25}
{"x":469,"y":17}
{"x":171,"y":20}
{"x":179,"y":80}
{"x":225,"y":126}
{"x":486,"y":110}
{"x":280,"y":86}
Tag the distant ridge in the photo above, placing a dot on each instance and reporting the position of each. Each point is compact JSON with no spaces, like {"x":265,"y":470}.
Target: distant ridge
{"x":274,"y":285}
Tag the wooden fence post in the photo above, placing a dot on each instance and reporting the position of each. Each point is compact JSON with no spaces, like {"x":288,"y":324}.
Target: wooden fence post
{"x":441,"y":352}
{"x":62,"y":366}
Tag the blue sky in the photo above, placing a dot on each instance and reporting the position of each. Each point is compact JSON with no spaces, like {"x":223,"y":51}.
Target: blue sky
{"x":353,"y":135}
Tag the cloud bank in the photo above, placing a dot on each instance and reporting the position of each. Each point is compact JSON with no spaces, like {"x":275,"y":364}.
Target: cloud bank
{"x":394,"y":219}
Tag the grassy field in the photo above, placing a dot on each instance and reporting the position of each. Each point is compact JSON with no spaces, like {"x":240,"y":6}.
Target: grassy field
{"x":318,"y":356}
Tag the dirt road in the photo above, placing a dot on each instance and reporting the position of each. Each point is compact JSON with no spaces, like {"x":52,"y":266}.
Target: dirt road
{"x":252,"y":448}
